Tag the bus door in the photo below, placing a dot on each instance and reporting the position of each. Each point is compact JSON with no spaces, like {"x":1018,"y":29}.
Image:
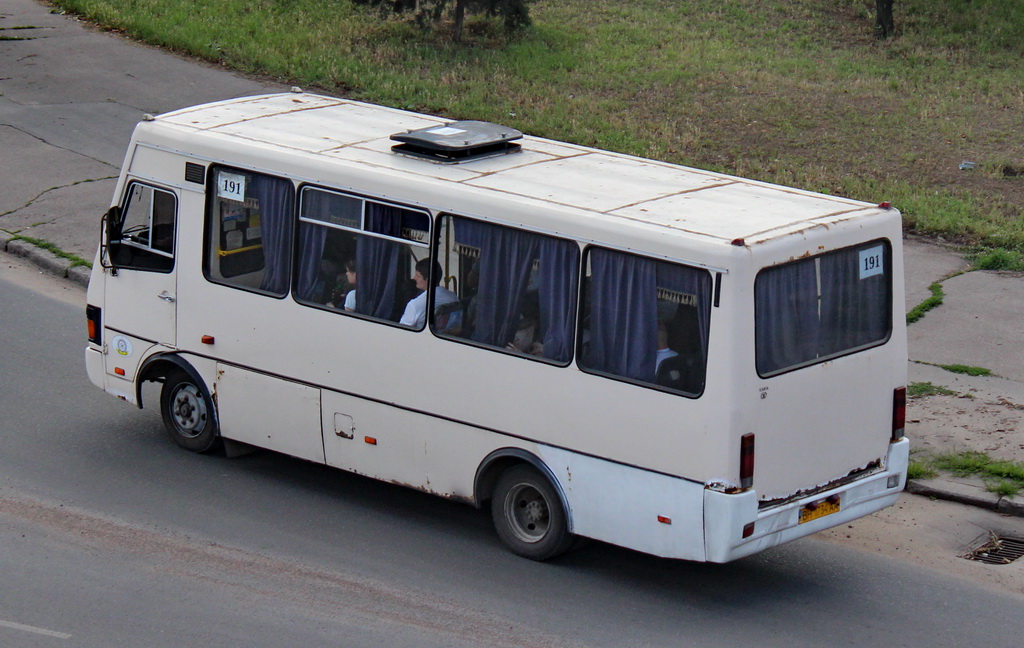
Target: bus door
{"x":140,"y":290}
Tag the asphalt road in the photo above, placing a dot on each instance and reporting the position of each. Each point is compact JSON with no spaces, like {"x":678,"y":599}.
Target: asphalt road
{"x":110,"y":535}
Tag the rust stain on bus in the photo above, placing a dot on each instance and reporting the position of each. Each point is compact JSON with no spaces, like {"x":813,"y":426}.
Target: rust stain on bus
{"x":851,"y":476}
{"x":426,"y":489}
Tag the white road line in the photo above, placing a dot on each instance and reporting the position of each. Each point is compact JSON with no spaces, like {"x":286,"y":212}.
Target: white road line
{"x":28,"y":628}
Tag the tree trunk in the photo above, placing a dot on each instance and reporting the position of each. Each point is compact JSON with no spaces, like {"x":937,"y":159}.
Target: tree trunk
{"x":460,"y":18}
{"x":884,"y":25}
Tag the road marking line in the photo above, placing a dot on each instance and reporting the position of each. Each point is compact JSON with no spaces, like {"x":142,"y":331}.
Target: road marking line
{"x":28,"y":628}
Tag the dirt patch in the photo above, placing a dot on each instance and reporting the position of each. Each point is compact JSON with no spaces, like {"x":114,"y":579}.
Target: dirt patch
{"x":944,"y":424}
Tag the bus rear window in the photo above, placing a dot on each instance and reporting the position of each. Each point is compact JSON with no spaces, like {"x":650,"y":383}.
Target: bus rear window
{"x":822,"y":307}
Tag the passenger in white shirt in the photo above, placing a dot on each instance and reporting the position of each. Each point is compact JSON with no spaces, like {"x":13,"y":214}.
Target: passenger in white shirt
{"x":415,"y":314}
{"x":350,"y":275}
{"x":664,"y":352}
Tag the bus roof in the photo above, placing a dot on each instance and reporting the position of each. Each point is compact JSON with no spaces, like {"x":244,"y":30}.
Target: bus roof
{"x":700,"y":203}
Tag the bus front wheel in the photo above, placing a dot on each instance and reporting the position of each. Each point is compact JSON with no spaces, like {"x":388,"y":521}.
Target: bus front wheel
{"x":528,"y":514}
{"x":188,"y":413}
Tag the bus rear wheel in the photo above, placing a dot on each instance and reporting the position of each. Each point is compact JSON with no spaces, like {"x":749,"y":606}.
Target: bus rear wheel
{"x":528,"y":514}
{"x":188,"y":413}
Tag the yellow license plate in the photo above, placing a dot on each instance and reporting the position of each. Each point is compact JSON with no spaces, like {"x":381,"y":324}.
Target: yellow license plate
{"x":820,"y":510}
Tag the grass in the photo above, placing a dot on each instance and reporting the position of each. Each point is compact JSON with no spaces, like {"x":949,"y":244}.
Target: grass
{"x":1004,"y":488}
{"x":917,"y":312}
{"x":966,"y":369}
{"x":5,"y":37}
{"x":963,"y":463}
{"x":46,"y":245}
{"x":920,"y":470}
{"x":1005,"y":478}
{"x":998,"y":259}
{"x":796,"y":92}
{"x":922,"y":389}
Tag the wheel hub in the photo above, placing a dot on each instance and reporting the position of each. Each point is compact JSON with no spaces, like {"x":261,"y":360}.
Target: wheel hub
{"x":188,"y":411}
{"x":534,"y":512}
{"x":527,"y":513}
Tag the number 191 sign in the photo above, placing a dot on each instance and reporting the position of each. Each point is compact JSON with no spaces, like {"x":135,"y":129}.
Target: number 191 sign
{"x":871,"y":262}
{"x":232,"y":187}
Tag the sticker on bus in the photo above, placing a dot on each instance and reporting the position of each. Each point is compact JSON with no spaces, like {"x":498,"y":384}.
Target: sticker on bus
{"x":871,"y":263}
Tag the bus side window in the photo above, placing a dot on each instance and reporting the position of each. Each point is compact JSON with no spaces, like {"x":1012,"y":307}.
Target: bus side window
{"x":519,"y":288}
{"x":356,"y":255}
{"x":646,"y":321}
{"x":144,"y":239}
{"x":249,"y":230}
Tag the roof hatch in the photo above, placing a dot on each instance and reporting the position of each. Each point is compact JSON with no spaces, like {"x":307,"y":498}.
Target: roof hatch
{"x":461,"y":141}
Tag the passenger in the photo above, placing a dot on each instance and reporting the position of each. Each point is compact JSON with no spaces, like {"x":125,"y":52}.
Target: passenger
{"x":525,"y":340}
{"x":664,"y":352}
{"x":471,"y":297}
{"x":350,"y":276}
{"x":415,"y":314}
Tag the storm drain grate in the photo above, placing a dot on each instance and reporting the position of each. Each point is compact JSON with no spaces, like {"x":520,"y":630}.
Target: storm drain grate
{"x":998,"y":551}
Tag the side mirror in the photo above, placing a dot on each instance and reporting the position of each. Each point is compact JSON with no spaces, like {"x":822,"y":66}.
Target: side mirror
{"x":112,"y":224}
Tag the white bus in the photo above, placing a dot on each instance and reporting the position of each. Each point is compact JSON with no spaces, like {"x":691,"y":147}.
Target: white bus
{"x":680,"y":362}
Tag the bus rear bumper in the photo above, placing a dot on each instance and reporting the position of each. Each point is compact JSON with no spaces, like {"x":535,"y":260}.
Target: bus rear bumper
{"x":725,"y":515}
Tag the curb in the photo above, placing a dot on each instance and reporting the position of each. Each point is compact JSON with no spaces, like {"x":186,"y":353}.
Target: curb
{"x":48,"y":261}
{"x":966,"y":494}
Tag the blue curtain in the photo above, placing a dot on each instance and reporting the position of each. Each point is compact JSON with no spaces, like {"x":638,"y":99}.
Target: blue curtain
{"x":377,"y":262}
{"x":310,"y":282}
{"x":468,"y":232}
{"x":854,"y":310}
{"x":276,"y":200}
{"x":623,"y":324}
{"x":794,"y":328}
{"x":786,"y":316}
{"x":690,"y":281}
{"x":557,"y":282}
{"x":506,"y":262}
{"x":505,"y":268}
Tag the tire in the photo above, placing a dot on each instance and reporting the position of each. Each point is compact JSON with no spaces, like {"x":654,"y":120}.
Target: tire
{"x":528,"y":514}
{"x":188,"y":413}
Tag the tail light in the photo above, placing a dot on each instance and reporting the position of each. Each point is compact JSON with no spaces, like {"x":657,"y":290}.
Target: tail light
{"x":92,"y":316}
{"x":746,"y":461}
{"x":899,"y":412}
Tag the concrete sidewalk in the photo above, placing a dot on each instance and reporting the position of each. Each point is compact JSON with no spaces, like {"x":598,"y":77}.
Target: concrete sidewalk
{"x":71,"y":96}
{"x":978,"y":325}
